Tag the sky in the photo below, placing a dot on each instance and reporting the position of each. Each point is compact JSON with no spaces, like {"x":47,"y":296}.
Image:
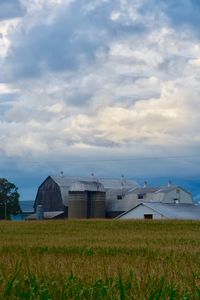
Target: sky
{"x":109,"y":87}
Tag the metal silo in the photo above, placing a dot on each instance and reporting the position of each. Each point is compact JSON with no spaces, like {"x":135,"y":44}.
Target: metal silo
{"x":97,"y":204}
{"x":40,"y":212}
{"x":86,"y":200}
{"x":77,"y":205}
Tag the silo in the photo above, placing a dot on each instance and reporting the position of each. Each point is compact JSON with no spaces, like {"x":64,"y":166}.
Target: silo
{"x":77,"y":205}
{"x":86,"y":200}
{"x":40,"y":212}
{"x":98,"y":204}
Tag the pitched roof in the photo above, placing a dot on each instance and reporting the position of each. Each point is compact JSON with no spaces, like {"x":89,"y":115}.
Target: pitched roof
{"x":161,"y":189}
{"x":170,"y":188}
{"x":66,"y":181}
{"x":171,"y":211}
{"x":145,"y":190}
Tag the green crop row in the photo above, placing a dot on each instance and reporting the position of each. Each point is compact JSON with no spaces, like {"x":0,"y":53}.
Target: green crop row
{"x":28,"y":286}
{"x":97,"y":259}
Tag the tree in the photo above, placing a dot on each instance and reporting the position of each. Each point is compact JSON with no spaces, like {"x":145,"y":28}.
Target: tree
{"x":9,"y":199}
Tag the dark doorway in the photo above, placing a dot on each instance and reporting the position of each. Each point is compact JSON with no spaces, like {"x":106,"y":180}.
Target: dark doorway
{"x":148,"y":216}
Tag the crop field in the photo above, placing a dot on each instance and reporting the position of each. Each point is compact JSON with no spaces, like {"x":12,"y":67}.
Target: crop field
{"x":100,"y":259}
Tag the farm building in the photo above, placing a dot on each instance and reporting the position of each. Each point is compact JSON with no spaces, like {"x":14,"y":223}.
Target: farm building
{"x":78,"y":197}
{"x":157,"y":210}
{"x":167,"y":194}
{"x":53,"y":194}
{"x":133,"y":197}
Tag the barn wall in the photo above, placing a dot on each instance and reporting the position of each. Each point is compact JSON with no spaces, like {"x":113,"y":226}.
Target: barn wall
{"x":49,"y":196}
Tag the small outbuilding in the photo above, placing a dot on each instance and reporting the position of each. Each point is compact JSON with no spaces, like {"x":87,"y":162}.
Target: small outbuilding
{"x":155,"y":210}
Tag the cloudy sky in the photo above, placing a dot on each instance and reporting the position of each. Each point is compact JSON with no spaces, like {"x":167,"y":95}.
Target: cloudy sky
{"x":110,"y":87}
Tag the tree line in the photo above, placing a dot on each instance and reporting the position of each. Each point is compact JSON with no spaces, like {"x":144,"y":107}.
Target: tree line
{"x":9,"y":199}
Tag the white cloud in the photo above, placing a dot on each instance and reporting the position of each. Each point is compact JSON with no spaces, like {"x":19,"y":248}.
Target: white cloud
{"x":134,"y":87}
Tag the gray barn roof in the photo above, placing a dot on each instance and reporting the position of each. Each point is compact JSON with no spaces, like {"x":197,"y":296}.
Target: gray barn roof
{"x":65,"y":182}
{"x":171,"y":211}
{"x":161,"y":189}
{"x":82,"y":186}
{"x":145,"y":190}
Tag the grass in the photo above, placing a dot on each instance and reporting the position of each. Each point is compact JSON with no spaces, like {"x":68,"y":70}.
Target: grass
{"x":101,"y":259}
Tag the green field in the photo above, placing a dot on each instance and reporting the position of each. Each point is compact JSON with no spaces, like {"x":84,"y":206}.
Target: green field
{"x":100,"y":260}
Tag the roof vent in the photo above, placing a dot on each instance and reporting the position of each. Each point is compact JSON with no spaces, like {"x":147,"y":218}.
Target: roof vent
{"x":122,"y":181}
{"x":145,"y":184}
{"x":169,"y":183}
{"x":93,"y":177}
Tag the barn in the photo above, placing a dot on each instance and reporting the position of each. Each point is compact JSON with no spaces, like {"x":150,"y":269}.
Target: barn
{"x":80,"y":197}
{"x":53,"y":194}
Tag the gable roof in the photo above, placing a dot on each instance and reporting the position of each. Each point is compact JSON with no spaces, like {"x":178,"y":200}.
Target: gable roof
{"x":167,"y":189}
{"x":143,"y":190}
{"x":156,"y":190}
{"x":171,"y":211}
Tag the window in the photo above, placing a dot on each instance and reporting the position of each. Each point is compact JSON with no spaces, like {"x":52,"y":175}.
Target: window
{"x":140,"y":196}
{"x":148,"y":216}
{"x":119,"y":197}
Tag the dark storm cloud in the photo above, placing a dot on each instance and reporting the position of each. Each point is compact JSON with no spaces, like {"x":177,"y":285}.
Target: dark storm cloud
{"x":11,"y":9}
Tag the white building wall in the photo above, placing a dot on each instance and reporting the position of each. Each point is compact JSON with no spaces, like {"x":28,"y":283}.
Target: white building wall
{"x":131,"y":200}
{"x":134,"y":197}
{"x":139,"y":212}
{"x":158,"y":197}
{"x":182,"y":196}
{"x":121,"y":205}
